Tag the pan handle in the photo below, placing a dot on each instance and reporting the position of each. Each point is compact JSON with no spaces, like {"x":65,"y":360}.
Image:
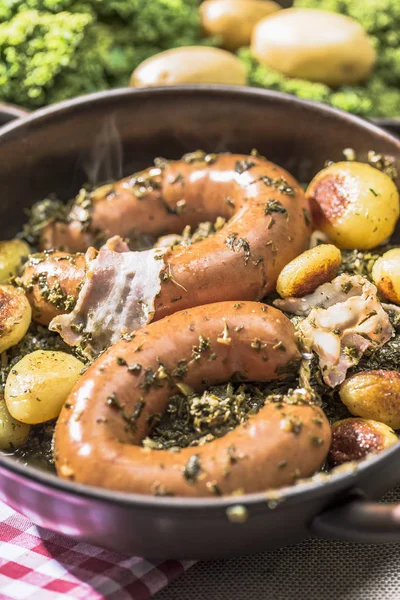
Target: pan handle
{"x":358,"y":520}
{"x":9,"y":112}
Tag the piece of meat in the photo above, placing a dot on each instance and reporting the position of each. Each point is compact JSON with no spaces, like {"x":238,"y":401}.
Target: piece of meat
{"x":343,"y":319}
{"x":117,"y":297}
{"x":116,"y":402}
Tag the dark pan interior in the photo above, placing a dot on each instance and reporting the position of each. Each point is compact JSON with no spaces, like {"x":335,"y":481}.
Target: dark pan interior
{"x":109,"y":134}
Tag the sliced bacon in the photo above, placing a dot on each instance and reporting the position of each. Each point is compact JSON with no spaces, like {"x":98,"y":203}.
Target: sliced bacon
{"x":117,"y":296}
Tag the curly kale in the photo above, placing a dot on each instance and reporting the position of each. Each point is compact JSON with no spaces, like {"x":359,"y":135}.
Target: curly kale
{"x":377,"y":97}
{"x":51,"y":50}
{"x":45,"y":58}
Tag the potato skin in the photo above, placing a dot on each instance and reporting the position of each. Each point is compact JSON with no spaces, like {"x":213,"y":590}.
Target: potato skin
{"x":373,"y":395}
{"x":12,"y":433}
{"x":354,"y":438}
{"x":38,"y":385}
{"x":11,"y":254}
{"x":15,"y":316}
{"x":315,"y":45}
{"x":189,"y":64}
{"x":386,"y":275}
{"x":233,"y":20}
{"x":309,"y":270}
{"x":356,"y":205}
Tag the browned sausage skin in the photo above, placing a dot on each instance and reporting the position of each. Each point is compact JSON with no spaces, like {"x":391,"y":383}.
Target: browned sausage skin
{"x":51,"y":282}
{"x":267,"y":227}
{"x":99,"y":431}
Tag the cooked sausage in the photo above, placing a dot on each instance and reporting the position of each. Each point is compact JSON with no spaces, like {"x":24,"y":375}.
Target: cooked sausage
{"x":267,"y":227}
{"x":51,"y":282}
{"x":110,"y":411}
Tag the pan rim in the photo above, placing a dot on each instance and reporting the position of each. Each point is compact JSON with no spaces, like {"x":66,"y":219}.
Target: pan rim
{"x":297,"y":493}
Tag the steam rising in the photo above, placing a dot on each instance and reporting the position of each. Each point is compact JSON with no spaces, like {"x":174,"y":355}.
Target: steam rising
{"x":105,"y":159}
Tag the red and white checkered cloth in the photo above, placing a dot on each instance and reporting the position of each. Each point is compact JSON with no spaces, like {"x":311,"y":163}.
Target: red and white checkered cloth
{"x":36,"y":564}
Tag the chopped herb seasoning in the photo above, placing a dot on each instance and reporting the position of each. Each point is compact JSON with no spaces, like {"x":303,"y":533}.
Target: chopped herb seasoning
{"x":180,"y":370}
{"x":238,"y":244}
{"x":113,"y":401}
{"x":121,"y":361}
{"x":203,"y":346}
{"x":135,"y":368}
{"x":274,"y":206}
{"x":257,"y":345}
{"x":279,"y":346}
{"x":223,"y":337}
{"x":192,"y":469}
{"x":316,"y":441}
{"x":243,"y":165}
{"x":373,"y":192}
{"x":279,"y":184}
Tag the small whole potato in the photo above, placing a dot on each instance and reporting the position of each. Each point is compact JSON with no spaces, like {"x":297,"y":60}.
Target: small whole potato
{"x":189,"y":64}
{"x":233,"y":20}
{"x":39,"y":384}
{"x":386,"y":275}
{"x":306,"y":272}
{"x":12,"y":433}
{"x":353,"y":439}
{"x":11,"y":254}
{"x":354,"y":204}
{"x":15,"y":316}
{"x":314,"y":44}
{"x":373,"y":395}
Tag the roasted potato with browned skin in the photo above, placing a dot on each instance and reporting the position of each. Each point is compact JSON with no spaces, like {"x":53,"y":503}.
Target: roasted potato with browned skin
{"x":356,"y":205}
{"x":309,"y":270}
{"x":353,"y":439}
{"x":15,"y":316}
{"x":386,"y":275}
{"x":233,"y":20}
{"x":12,"y":252}
{"x":373,"y":395}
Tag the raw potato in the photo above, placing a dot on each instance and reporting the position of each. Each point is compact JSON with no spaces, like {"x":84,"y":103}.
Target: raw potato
{"x":309,"y":270}
{"x":373,"y":395}
{"x":314,"y":44}
{"x":12,"y":433}
{"x":11,"y":254}
{"x":15,"y":316}
{"x":190,"y":64}
{"x":355,"y":438}
{"x":233,"y":20}
{"x":356,"y":205}
{"x":386,"y":275}
{"x":39,"y":384}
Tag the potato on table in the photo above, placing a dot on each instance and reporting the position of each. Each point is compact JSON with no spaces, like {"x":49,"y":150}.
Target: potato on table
{"x":314,"y":44}
{"x":233,"y":20}
{"x":189,"y":64}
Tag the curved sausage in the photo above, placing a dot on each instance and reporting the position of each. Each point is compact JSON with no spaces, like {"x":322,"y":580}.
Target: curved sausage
{"x":267,"y":227}
{"x":109,"y":413}
{"x":51,"y":282}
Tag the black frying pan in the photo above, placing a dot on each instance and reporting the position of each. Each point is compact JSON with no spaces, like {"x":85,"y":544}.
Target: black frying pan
{"x":52,"y":151}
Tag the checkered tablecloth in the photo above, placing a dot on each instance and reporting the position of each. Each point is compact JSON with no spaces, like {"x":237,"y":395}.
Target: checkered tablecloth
{"x":36,"y":564}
